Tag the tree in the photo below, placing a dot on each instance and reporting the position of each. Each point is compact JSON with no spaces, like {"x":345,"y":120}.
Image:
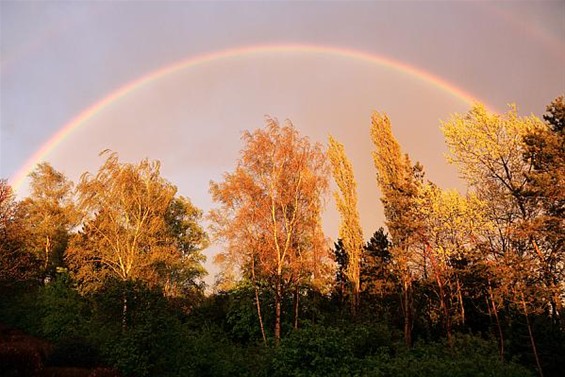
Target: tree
{"x":49,"y":215}
{"x":135,"y":229}
{"x":376,"y":278}
{"x":184,"y":234}
{"x":545,"y":151}
{"x":555,"y":117}
{"x":451,"y":222}
{"x":489,"y":150}
{"x":270,"y":214}
{"x":399,"y":182}
{"x":341,"y":258}
{"x":15,"y":263}
{"x":350,"y":232}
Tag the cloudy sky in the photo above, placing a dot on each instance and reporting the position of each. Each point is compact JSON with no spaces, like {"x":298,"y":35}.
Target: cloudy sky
{"x":59,"y":59}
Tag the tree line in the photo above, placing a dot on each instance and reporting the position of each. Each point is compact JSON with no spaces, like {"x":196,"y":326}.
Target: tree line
{"x":122,"y":243}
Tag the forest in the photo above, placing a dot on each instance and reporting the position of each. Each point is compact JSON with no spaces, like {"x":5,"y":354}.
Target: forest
{"x":104,"y":277}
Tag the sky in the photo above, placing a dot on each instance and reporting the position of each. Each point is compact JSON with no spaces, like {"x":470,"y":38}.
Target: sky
{"x":178,"y":81}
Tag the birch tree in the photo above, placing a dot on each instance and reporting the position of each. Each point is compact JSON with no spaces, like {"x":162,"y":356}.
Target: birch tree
{"x":270,"y":211}
{"x":48,"y":214}
{"x":135,"y":228}
{"x":16,"y":263}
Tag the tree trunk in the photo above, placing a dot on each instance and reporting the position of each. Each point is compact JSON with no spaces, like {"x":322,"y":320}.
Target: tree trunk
{"x":530,"y":332}
{"x":555,"y":315}
{"x":296,"y":303}
{"x":407,"y":308}
{"x":500,"y":333}
{"x":47,"y":248}
{"x":355,"y":297}
{"x":278,"y":298}
{"x":443,"y":307}
{"x":442,"y":295}
{"x":257,"y":302}
{"x":46,"y":276}
{"x":353,"y":301}
{"x":462,"y":306}
{"x":124,"y":310}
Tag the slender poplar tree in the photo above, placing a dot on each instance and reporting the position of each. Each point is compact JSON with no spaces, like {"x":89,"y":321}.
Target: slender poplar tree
{"x":350,"y":231}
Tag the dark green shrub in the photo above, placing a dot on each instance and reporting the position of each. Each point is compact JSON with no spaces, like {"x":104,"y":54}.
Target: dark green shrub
{"x":467,"y":356}
{"x":330,"y":351}
{"x":64,"y":313}
{"x":74,"y":352}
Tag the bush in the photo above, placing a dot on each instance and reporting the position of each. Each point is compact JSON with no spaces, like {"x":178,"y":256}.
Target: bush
{"x":148,"y":343}
{"x":468,"y":356}
{"x":75,"y":352}
{"x":330,"y":351}
{"x":21,"y":309}
{"x":210,"y":352}
{"x":64,"y":313}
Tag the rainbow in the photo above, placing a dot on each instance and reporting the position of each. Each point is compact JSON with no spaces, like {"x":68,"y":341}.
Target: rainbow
{"x":19,"y":177}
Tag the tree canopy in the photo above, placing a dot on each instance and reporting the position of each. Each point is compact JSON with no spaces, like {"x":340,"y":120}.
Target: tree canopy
{"x":270,"y":213}
{"x":135,"y":228}
{"x":110,"y":270}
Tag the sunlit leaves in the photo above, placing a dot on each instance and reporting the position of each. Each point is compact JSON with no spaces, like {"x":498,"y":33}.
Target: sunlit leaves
{"x":399,"y":183}
{"x":452,"y":222}
{"x":350,"y":232}
{"x":135,"y":228}
{"x":270,"y":209}
{"x":16,"y":263}
{"x":488,"y":148}
{"x":49,"y":214}
{"x":271,"y":203}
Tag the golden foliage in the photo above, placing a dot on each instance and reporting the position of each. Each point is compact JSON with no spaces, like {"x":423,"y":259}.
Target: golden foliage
{"x":48,"y":215}
{"x":350,"y":231}
{"x":488,"y":148}
{"x":271,"y":206}
{"x":135,"y":228}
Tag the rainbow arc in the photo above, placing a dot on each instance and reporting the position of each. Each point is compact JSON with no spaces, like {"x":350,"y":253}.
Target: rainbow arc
{"x":251,"y":51}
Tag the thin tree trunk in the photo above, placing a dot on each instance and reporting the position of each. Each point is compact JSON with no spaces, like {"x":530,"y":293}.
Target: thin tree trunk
{"x":495,"y":312}
{"x":47,"y":247}
{"x":446,"y":315}
{"x":443,"y":307}
{"x":407,"y":306}
{"x":442,"y":295}
{"x":46,"y":276}
{"x":353,"y":301}
{"x":356,"y":288}
{"x":257,"y":302}
{"x":356,"y":295}
{"x":296,"y":304}
{"x":124,"y":310}
{"x":460,"y":296}
{"x":530,"y":332}
{"x":278,"y":294}
{"x":555,"y":316}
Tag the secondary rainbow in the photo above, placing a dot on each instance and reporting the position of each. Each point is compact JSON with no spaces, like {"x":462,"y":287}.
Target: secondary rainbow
{"x":250,"y":51}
